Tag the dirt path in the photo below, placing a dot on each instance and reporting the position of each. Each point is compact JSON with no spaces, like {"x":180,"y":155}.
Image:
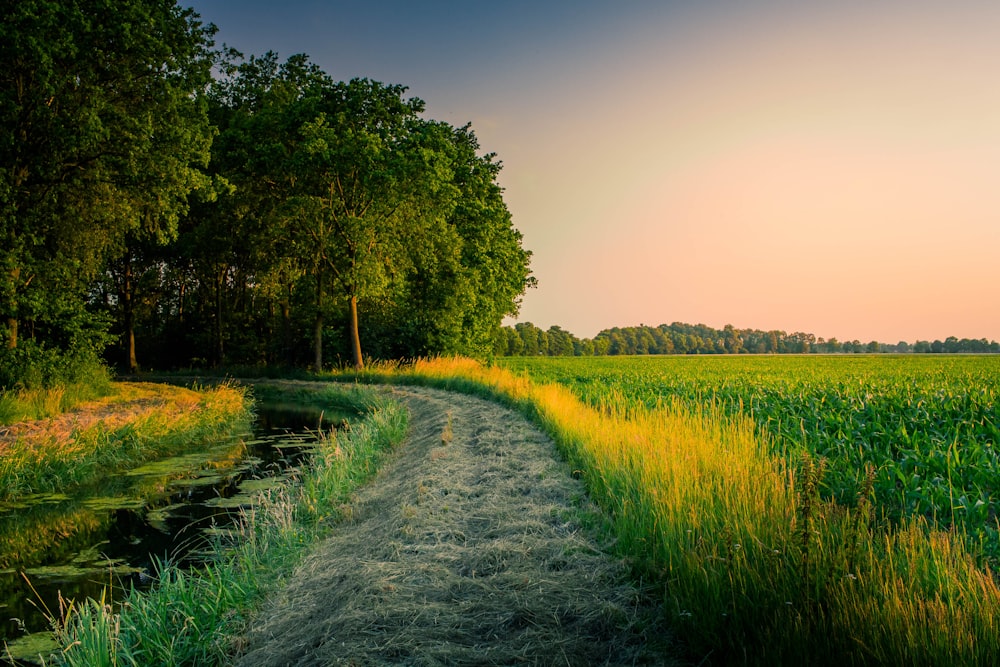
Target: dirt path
{"x":467,"y":550}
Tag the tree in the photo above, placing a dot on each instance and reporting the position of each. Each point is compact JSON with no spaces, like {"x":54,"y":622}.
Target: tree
{"x":464,"y":270}
{"x":104,"y":134}
{"x":359,"y":209}
{"x":243,"y":268}
{"x":733,"y":341}
{"x":369,"y":175}
{"x":492,"y":257}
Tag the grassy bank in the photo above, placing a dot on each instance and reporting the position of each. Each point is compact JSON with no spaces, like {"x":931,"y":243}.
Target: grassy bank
{"x":36,"y":383}
{"x":755,"y":567}
{"x":42,"y":402}
{"x":197,"y":617}
{"x":137,"y":422}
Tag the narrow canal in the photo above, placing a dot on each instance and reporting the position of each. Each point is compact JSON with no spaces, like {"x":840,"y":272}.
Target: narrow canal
{"x":111,"y":534}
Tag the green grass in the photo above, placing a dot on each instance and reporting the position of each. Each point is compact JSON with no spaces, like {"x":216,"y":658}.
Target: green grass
{"x":755,"y":562}
{"x":65,"y":456}
{"x":197,"y":617}
{"x":929,"y":425}
{"x":755,"y":565}
{"x":35,"y":384}
{"x":21,"y":404}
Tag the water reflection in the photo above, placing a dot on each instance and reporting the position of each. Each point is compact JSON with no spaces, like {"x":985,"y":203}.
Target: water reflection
{"x":112,"y":531}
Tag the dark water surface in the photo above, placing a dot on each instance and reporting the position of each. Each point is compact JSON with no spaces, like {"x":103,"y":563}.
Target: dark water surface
{"x":110,"y":534}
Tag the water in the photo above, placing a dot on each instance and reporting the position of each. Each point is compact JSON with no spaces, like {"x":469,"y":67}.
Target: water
{"x":110,"y":534}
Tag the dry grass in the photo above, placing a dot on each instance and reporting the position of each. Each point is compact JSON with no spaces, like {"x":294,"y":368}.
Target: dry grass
{"x":468,"y":550}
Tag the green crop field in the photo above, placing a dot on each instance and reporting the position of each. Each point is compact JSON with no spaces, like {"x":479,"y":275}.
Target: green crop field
{"x":712,"y":472}
{"x":929,"y":426}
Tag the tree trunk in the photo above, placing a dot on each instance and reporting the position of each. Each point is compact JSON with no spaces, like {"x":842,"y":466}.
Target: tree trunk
{"x":286,"y":328}
{"x":15,"y":274}
{"x":219,"y":349}
{"x":355,"y":338}
{"x":180,"y":307}
{"x":318,"y":329}
{"x":128,"y":314}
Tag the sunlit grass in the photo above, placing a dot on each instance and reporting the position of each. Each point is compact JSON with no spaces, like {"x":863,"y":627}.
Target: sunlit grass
{"x":198,"y":617}
{"x":754,"y":566}
{"x":18,"y":405}
{"x":929,"y":425}
{"x":59,"y":455}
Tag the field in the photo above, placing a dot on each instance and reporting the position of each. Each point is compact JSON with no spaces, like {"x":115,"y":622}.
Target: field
{"x":737,"y":522}
{"x":928,"y":426}
{"x":720,"y":494}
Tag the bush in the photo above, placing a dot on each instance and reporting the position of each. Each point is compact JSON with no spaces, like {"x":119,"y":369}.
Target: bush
{"x":30,"y":367}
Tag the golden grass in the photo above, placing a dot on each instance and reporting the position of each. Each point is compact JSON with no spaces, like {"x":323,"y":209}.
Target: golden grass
{"x":755,"y":567}
{"x":137,"y":422}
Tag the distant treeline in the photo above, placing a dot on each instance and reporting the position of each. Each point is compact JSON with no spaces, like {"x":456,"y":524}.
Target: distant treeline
{"x":525,"y":339}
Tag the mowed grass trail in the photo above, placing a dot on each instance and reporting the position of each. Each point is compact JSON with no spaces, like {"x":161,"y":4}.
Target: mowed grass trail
{"x":755,"y":565}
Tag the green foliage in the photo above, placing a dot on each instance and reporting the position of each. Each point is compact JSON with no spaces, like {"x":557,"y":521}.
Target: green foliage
{"x":341,"y":199}
{"x":104,"y":133}
{"x":680,"y":338}
{"x":319,"y":200}
{"x":30,"y":367}
{"x":37,"y":382}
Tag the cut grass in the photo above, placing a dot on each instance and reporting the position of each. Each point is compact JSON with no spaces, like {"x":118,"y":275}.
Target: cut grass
{"x":755,"y":566}
{"x":197,"y":617}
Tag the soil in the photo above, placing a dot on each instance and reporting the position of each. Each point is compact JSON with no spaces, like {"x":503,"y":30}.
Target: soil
{"x":470,"y":548}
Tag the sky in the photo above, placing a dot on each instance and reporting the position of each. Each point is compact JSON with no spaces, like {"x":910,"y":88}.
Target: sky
{"x":824,"y":167}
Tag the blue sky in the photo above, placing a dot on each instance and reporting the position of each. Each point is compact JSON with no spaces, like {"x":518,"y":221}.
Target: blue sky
{"x":820,"y":167}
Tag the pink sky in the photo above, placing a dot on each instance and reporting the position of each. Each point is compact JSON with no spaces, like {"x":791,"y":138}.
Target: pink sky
{"x":764,"y":164}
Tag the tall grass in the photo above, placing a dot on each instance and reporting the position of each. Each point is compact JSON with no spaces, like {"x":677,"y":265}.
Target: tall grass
{"x":755,"y":567}
{"x":928,"y":424}
{"x":36,"y":382}
{"x":41,"y":402}
{"x":197,"y":617}
{"x":55,"y":461}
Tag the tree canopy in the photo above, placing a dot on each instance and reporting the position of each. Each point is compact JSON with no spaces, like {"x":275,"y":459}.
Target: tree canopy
{"x":105,"y":135}
{"x":260,"y":215}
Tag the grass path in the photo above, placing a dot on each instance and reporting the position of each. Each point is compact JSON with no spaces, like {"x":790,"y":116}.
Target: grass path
{"x":468,"y":548}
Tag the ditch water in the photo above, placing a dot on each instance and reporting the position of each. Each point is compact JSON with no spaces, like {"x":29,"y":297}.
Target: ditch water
{"x":111,"y":534}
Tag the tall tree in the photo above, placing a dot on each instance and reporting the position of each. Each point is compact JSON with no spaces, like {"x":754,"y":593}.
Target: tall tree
{"x":104,"y":133}
{"x":369,"y":176}
{"x":468,"y":270}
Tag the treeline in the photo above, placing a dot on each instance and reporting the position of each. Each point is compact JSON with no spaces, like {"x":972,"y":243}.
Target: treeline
{"x":525,"y":339}
{"x":168,"y":203}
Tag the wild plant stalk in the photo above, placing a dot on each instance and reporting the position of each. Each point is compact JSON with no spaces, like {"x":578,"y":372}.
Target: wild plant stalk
{"x":197,"y":617}
{"x":754,"y":566}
